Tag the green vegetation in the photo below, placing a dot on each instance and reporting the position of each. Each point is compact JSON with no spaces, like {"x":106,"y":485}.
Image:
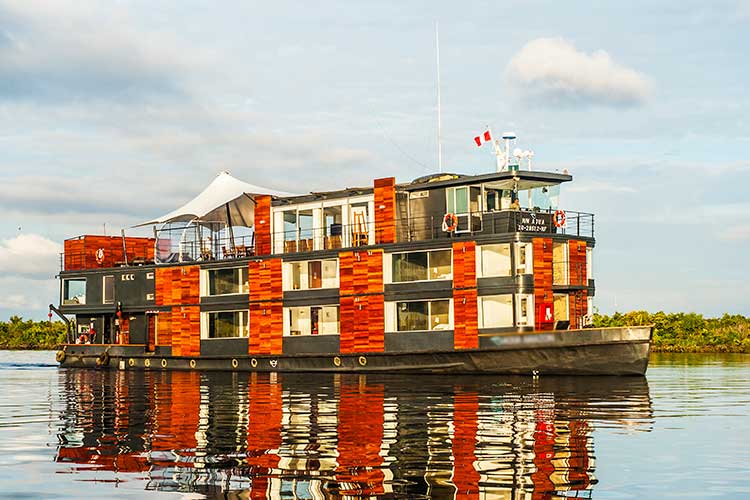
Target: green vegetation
{"x":687,"y":332}
{"x":19,"y":334}
{"x":673,"y":332}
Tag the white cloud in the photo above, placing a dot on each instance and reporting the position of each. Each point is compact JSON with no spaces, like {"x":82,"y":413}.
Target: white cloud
{"x":29,"y":255}
{"x":736,"y":233}
{"x":553,"y":70}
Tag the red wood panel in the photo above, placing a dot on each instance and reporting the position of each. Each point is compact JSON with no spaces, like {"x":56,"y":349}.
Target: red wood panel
{"x":262,"y":225}
{"x":465,"y":476}
{"x":578,"y":307}
{"x":362,"y":301}
{"x":385,"y":210}
{"x":179,"y":287}
{"x":266,"y":316}
{"x":80,"y":253}
{"x":577,"y":262}
{"x":124,"y":330}
{"x":164,"y":328}
{"x":542,"y":279}
{"x":360,"y":436}
{"x":465,"y":314}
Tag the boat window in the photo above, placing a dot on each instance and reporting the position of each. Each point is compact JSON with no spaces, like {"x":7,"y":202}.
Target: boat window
{"x":559,"y":263}
{"x":422,"y":266}
{"x":108,"y":289}
{"x":227,"y":281}
{"x":494,"y":260}
{"x":561,"y":311}
{"x":226,"y":324}
{"x":74,"y":291}
{"x":496,"y":311}
{"x":524,"y":258}
{"x":312,"y":274}
{"x":545,"y":197}
{"x":311,"y":320}
{"x":332,"y":221}
{"x":423,"y":315}
{"x":524,"y":310}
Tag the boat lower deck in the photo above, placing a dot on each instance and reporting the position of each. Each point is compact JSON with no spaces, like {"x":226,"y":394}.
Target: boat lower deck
{"x":605,"y":351}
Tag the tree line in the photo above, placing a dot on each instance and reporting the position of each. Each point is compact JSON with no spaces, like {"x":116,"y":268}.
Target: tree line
{"x":673,"y":332}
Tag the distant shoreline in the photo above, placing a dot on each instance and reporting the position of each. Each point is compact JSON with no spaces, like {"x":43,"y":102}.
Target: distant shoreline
{"x":673,"y":332}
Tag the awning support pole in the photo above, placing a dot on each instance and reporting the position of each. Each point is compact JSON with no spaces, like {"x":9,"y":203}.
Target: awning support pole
{"x":231,"y":230}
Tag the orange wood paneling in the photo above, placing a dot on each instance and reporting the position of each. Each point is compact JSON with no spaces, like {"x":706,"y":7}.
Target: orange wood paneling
{"x":465,"y":314}
{"x":179,"y":287}
{"x":578,"y":307}
{"x":80,"y":253}
{"x":577,"y":262}
{"x":262,"y":225}
{"x":360,"y":437}
{"x":542,"y":279}
{"x":385,"y":210}
{"x":266,"y":314}
{"x":465,"y":476}
{"x":362,"y":301}
{"x":124,"y":330}
{"x":164,"y":328}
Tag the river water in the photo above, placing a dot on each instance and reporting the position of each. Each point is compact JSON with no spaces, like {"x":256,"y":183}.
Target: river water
{"x":684,"y":430}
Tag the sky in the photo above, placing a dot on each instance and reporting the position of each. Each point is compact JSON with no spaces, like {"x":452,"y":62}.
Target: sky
{"x":112,"y":113}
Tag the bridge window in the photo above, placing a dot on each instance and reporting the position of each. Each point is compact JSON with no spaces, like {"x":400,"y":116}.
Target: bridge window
{"x":225,"y":324}
{"x":560,"y":263}
{"x":74,"y":291}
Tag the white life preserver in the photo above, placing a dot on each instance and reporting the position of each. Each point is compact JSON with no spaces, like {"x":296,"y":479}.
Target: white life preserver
{"x":100,"y":256}
{"x":450,"y":222}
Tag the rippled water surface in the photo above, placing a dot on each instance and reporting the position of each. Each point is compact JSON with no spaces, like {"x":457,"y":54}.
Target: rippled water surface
{"x":684,"y":430}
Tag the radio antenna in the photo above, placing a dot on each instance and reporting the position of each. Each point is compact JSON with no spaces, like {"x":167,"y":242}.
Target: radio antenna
{"x":439,"y":130}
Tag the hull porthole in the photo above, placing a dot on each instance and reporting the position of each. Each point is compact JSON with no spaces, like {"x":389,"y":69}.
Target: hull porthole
{"x":147,"y":363}
{"x":253,"y":362}
{"x":163,"y":363}
{"x":234,"y":363}
{"x":131,"y":362}
{"x":60,"y":356}
{"x":336,"y":361}
{"x":192,"y":363}
{"x":362,"y":361}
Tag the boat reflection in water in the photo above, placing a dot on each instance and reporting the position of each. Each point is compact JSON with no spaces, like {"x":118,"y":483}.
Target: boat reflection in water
{"x":332,"y":436}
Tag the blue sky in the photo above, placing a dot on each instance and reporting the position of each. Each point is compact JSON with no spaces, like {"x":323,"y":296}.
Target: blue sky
{"x":112,"y":113}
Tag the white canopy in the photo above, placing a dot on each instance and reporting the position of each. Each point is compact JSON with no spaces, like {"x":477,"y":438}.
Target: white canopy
{"x":226,"y":200}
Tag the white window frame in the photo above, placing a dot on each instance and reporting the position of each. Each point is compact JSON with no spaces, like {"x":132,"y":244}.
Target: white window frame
{"x":480,"y":310}
{"x":527,"y":249}
{"x":205,"y":281}
{"x":567,"y":306}
{"x":104,"y":289}
{"x":243,"y":327}
{"x":62,"y":291}
{"x":391,"y":315}
{"x":480,"y":260}
{"x":589,"y":262}
{"x":287,"y":326}
{"x":529,"y":319}
{"x":388,"y":266}
{"x":287,"y":275}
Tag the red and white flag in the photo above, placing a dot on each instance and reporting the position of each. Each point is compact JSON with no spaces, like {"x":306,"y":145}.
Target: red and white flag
{"x":486,"y":137}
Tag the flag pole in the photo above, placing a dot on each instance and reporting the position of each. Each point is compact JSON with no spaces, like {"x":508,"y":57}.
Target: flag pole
{"x":439,"y":131}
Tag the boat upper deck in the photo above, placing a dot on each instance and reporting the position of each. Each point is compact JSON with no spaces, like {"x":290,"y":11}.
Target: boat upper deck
{"x":435,"y":207}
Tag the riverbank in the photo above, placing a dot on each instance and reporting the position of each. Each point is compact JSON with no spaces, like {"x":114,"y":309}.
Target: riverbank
{"x":673,"y":332}
{"x":687,"y":332}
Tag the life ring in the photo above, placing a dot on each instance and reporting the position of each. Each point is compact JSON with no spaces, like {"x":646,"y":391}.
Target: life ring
{"x":235,"y":363}
{"x":362,"y":361}
{"x":337,"y":361}
{"x":254,"y":362}
{"x":103,"y":359}
{"x":99,"y":256}
{"x":192,"y":363}
{"x":559,"y":218}
{"x":163,"y":363}
{"x":60,"y":356}
{"x":450,"y":222}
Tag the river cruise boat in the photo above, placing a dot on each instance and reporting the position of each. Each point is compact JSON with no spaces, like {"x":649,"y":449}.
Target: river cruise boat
{"x":447,"y":273}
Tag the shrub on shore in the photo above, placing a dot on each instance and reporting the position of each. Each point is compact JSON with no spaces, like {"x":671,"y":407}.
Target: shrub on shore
{"x":29,"y":334}
{"x":687,"y":332}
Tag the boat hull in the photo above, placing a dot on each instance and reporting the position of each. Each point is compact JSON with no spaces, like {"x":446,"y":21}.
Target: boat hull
{"x":610,"y":351}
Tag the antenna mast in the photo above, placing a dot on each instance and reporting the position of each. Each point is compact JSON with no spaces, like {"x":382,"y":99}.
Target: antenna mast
{"x":439,"y":129}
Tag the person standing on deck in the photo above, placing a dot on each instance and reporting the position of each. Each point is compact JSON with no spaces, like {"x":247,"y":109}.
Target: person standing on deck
{"x":92,"y":335}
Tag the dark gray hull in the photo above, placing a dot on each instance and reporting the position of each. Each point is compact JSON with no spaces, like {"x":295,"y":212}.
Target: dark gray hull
{"x":610,"y":351}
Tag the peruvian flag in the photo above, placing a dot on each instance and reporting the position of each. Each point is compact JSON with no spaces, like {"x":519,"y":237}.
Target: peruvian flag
{"x":486,"y":137}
